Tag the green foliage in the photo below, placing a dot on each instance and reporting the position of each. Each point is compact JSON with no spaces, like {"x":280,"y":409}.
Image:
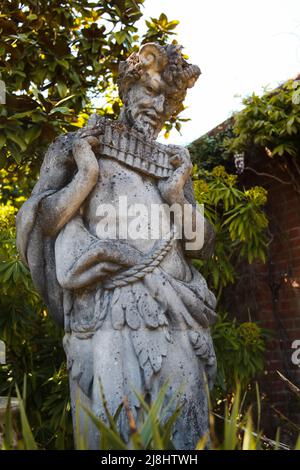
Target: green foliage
{"x":155,"y":429}
{"x":33,"y":341}
{"x":153,"y":433}
{"x":240,"y":224}
{"x":240,"y":350}
{"x":271,"y":121}
{"x":29,"y":442}
{"x":159,"y":30}
{"x":210,"y":150}
{"x":239,"y":221}
{"x":34,"y":348}
{"x":54,"y":65}
{"x":12,"y":439}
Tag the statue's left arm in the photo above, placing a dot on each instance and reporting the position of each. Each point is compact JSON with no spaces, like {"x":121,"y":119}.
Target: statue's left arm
{"x":198,"y":233}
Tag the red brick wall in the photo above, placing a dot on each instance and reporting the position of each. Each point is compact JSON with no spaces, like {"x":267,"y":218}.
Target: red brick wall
{"x":270,"y":293}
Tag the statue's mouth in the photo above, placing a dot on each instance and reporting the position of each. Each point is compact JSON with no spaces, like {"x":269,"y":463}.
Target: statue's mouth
{"x":151,"y":116}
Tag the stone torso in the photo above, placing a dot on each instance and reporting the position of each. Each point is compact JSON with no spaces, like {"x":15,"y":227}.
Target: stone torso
{"x":116,"y":180}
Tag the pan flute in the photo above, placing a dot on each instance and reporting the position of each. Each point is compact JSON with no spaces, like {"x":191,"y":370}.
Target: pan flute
{"x":134,"y":150}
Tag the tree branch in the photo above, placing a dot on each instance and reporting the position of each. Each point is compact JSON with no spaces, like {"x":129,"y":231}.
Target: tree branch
{"x":268,"y":175}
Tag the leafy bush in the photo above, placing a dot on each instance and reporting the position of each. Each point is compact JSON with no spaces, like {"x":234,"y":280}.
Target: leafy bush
{"x":268,"y":125}
{"x":238,"y":219}
{"x":271,"y":121}
{"x":210,"y":150}
{"x":34,"y":343}
{"x":240,"y":350}
{"x":240,"y":224}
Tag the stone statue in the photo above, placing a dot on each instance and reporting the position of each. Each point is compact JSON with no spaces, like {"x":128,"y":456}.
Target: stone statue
{"x":136,"y":313}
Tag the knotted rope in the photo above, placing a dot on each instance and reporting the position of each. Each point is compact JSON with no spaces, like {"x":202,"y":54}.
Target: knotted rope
{"x":138,"y":272}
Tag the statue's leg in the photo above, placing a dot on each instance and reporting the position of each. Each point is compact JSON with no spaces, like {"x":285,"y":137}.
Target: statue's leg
{"x":86,"y":435}
{"x":78,"y":348}
{"x":117,"y":372}
{"x":185,"y":373}
{"x":114,"y":370}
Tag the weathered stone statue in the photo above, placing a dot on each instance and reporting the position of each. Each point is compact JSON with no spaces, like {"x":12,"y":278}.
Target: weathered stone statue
{"x":136,"y":313}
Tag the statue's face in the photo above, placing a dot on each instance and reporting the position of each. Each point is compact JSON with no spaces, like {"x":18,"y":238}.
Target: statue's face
{"x":145,"y":106}
{"x":153,"y":84}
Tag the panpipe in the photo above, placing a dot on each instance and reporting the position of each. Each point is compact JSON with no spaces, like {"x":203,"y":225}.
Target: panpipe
{"x":134,"y":150}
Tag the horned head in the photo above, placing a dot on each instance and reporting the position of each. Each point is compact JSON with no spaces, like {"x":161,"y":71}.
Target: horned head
{"x":166,"y":64}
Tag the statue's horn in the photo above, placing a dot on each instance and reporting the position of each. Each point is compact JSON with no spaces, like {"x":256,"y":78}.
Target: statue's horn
{"x":153,"y":55}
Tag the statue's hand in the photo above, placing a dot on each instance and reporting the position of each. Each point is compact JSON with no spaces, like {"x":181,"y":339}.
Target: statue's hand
{"x":84,"y":155}
{"x":172,"y":189}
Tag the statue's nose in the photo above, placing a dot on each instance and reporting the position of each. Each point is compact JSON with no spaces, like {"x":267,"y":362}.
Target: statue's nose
{"x":159,"y":103}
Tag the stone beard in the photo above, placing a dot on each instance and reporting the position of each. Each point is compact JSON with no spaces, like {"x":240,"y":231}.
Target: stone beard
{"x":136,"y":313}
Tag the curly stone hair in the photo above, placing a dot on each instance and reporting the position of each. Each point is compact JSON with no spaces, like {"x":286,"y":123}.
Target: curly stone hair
{"x":165,"y":61}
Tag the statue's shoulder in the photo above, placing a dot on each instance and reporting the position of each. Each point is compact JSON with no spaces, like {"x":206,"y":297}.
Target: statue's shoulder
{"x":58,"y":165}
{"x":96,"y":120}
{"x":60,"y":150}
{"x":62,"y":145}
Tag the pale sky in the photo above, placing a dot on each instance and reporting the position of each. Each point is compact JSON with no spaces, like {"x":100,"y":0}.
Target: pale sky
{"x":240,"y":47}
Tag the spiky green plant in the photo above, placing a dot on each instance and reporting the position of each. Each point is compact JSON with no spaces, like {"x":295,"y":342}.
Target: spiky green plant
{"x":154,"y":431}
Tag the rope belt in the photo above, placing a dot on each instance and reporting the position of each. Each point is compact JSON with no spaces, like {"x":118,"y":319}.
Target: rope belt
{"x":138,"y":272}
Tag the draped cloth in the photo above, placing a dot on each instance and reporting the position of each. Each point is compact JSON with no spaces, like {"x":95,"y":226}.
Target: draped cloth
{"x":37,"y":250}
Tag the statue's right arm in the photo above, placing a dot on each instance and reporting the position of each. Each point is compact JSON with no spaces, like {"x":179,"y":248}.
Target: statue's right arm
{"x":57,"y":209}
